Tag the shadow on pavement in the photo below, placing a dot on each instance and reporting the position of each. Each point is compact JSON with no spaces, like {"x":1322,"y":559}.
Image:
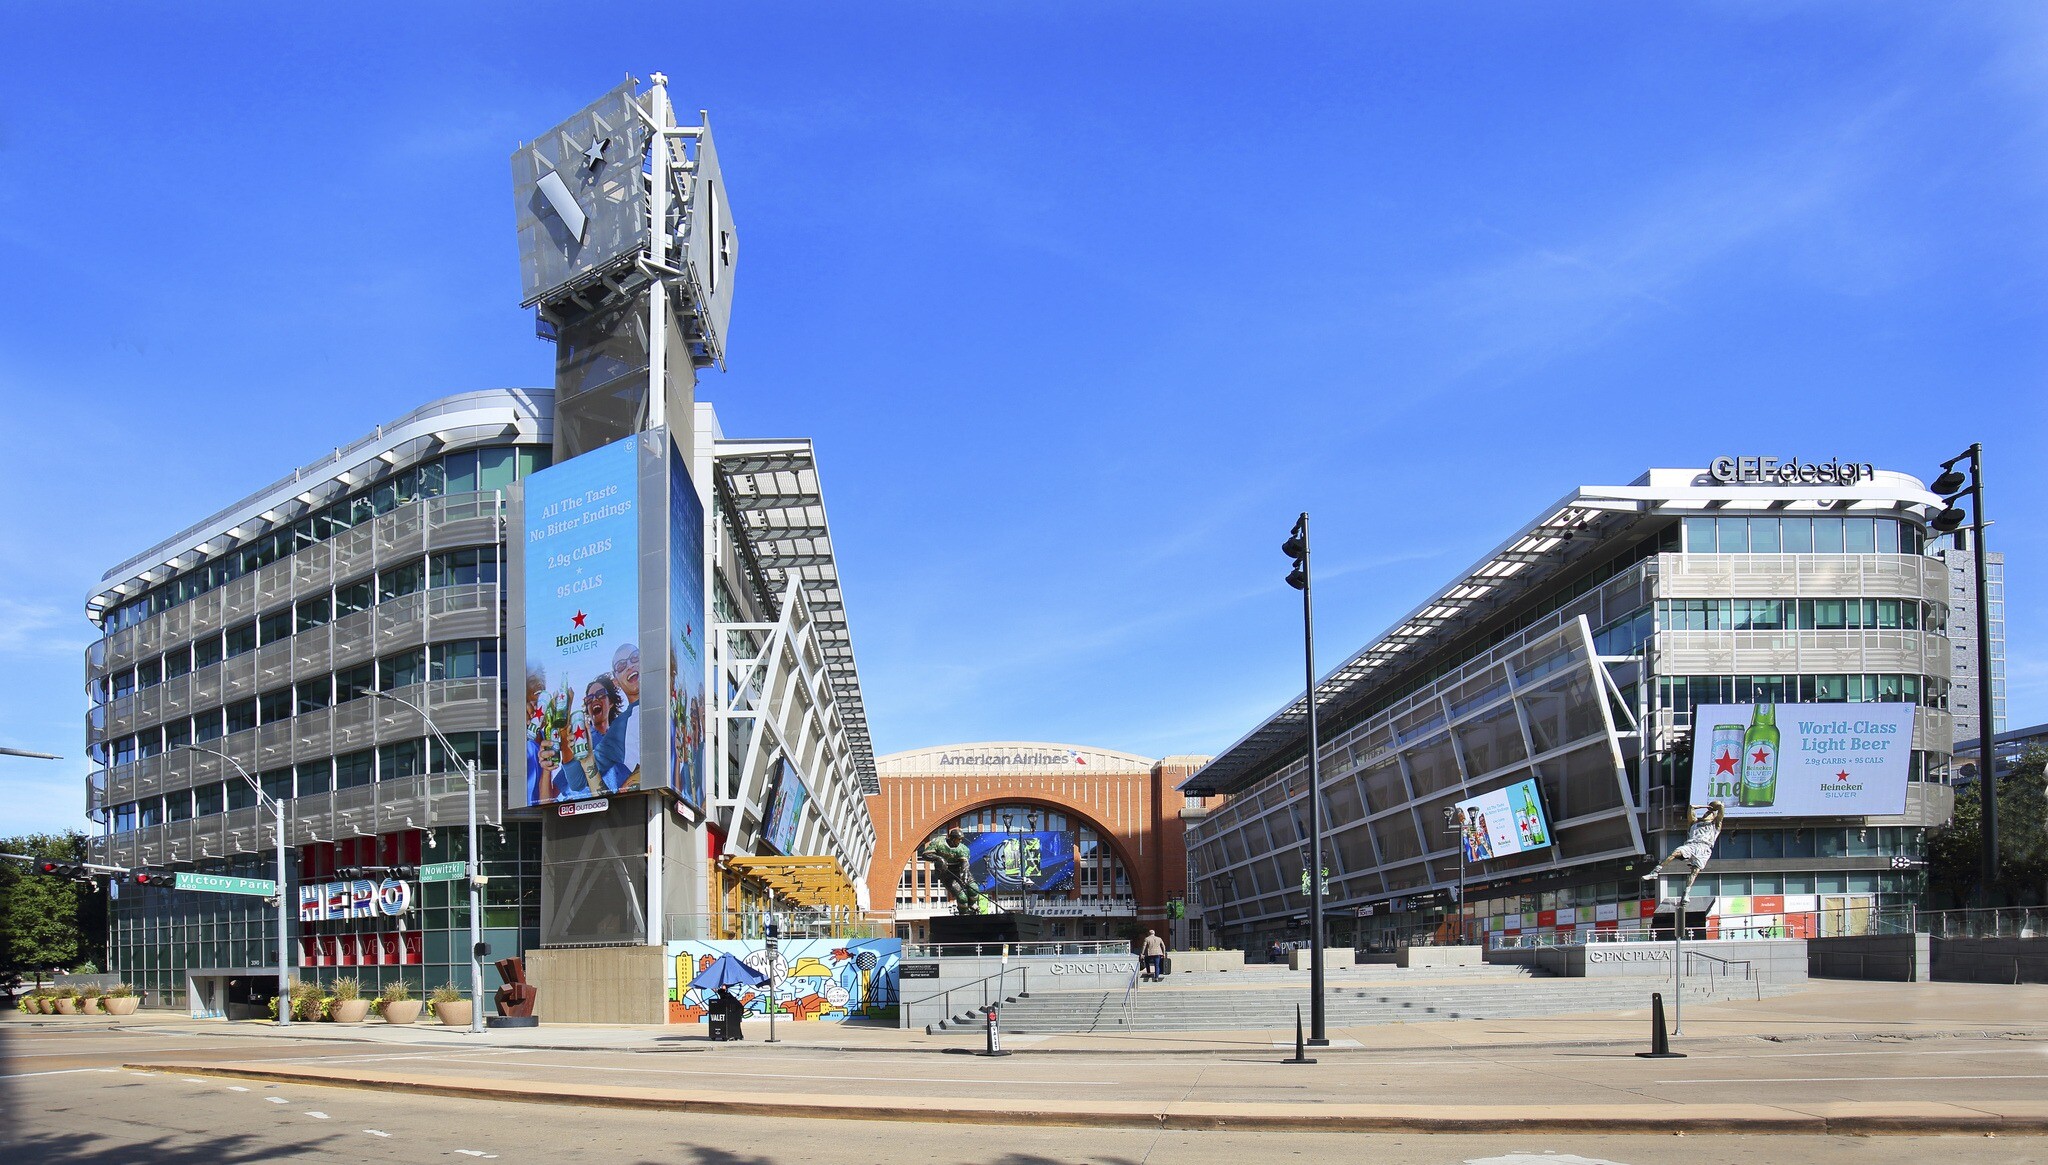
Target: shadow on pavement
{"x":83,"y":1147}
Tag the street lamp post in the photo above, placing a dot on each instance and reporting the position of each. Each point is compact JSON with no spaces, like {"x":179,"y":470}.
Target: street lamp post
{"x":1952,"y":485}
{"x":1296,"y":548}
{"x":475,"y":872}
{"x":284,"y":942}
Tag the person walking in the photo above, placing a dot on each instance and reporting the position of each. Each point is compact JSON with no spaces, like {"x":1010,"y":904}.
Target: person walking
{"x":1154,"y":952}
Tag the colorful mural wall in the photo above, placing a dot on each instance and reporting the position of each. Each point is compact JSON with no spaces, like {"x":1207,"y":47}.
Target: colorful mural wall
{"x":815,"y":978}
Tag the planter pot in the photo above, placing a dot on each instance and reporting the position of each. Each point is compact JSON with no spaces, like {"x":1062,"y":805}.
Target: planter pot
{"x":67,"y":1007}
{"x":122,"y":1004}
{"x":39,"y":1007}
{"x":453,"y":1014}
{"x":90,"y":1005}
{"x":402,"y":1011}
{"x":351,"y":1010}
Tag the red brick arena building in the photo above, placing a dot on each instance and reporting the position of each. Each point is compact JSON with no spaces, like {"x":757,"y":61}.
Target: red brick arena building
{"x":1102,"y":830}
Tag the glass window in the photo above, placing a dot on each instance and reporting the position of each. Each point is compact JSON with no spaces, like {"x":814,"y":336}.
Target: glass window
{"x":1829,"y":615}
{"x":314,"y":611}
{"x":240,"y":795}
{"x":355,"y":683}
{"x":470,"y":658}
{"x":1699,"y":536}
{"x":274,"y":706}
{"x":1829,"y":689}
{"x":124,"y":683}
{"x":241,"y":639}
{"x":352,"y":597}
{"x":1733,"y":535}
{"x":178,"y":805}
{"x":316,"y":777}
{"x":355,"y":769}
{"x":1888,"y":614}
{"x":241,"y":715}
{"x":177,"y":663}
{"x":124,"y":817}
{"x":149,"y":673}
{"x":399,"y":581}
{"x":206,"y":652}
{"x":150,"y":811}
{"x":177,"y":734}
{"x":274,"y":626}
{"x":209,"y":725}
{"x":460,"y":469}
{"x":1887,"y":536}
{"x":1859,"y":535}
{"x":124,"y":750}
{"x":314,"y":694}
{"x":1763,"y":536}
{"x":403,"y":758}
{"x":403,"y":669}
{"x":1796,"y":534}
{"x":277,"y":784}
{"x":1827,"y":536}
{"x":149,"y":742}
{"x":465,"y":567}
{"x":496,"y":468}
{"x":209,"y":799}
{"x":432,"y":483}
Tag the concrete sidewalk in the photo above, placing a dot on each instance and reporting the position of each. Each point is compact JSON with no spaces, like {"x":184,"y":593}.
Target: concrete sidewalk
{"x":1821,"y":1117}
{"x":1826,"y":1009}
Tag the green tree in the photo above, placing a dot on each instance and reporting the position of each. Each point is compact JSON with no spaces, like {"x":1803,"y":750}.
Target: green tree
{"x":1953,"y":851}
{"x":47,"y":924}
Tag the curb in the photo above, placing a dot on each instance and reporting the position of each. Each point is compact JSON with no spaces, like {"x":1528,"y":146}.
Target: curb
{"x":972,"y":1041}
{"x":1642,"y":1119}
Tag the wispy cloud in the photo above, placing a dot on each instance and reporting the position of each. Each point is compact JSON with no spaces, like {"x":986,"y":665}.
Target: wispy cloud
{"x":40,"y":629}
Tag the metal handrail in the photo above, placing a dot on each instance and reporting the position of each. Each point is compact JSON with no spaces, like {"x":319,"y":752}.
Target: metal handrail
{"x":1018,"y":950}
{"x":1001,"y":977}
{"x":1725,"y":963}
{"x":1123,"y":1015}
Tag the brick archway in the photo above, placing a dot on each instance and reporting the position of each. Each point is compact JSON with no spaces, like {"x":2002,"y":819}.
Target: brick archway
{"x":1129,"y":801}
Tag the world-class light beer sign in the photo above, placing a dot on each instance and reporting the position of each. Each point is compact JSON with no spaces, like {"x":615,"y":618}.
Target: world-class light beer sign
{"x":362,"y":898}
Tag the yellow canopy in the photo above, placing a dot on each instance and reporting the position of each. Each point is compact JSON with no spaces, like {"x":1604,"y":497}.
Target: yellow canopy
{"x":815,"y":881}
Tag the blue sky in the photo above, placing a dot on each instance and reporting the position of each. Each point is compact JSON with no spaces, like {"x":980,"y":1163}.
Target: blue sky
{"x":1081,"y":302}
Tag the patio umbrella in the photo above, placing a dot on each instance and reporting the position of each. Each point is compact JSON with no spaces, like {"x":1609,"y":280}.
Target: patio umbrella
{"x":727,"y":972}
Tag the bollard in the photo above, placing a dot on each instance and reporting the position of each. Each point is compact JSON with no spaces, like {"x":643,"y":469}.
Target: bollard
{"x":1660,"y":1043}
{"x":995,"y":1035}
{"x":1300,"y":1045}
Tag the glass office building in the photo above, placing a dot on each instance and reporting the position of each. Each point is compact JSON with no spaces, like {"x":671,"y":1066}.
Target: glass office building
{"x":257,"y":641}
{"x":1573,"y":656}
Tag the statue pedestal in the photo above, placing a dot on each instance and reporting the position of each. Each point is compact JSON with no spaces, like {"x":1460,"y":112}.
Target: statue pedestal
{"x":949,"y":929}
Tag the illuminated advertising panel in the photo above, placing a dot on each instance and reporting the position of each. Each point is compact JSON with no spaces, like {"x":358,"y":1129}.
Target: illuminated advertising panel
{"x":785,"y":808}
{"x":1007,"y":863}
{"x":1504,"y":822}
{"x":1802,"y":760}
{"x":582,"y":617}
{"x":686,"y":635}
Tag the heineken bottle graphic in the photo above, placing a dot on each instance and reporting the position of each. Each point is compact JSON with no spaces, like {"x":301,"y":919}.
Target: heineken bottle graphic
{"x":1530,"y":822}
{"x":1760,"y":758}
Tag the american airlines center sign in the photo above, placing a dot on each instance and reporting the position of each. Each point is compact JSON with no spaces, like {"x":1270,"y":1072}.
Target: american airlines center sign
{"x":1791,"y":471}
{"x":996,"y":758}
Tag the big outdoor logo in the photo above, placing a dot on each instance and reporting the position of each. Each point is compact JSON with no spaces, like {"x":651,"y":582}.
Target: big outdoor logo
{"x":582,"y":634}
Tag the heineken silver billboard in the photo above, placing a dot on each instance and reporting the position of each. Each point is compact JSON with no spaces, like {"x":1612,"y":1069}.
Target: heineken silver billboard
{"x":1802,"y":760}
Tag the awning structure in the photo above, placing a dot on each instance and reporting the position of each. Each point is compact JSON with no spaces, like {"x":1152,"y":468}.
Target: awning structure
{"x":812,"y":881}
{"x":770,"y":487}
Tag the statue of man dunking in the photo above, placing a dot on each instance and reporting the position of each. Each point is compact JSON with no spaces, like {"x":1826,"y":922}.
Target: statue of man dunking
{"x":1698,"y":848}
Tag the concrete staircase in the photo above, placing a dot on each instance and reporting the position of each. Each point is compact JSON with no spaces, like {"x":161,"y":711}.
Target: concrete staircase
{"x":1253,"y":1001}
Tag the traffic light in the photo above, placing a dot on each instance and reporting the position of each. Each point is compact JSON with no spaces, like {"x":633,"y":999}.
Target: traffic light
{"x":69,"y":871}
{"x":149,"y":877}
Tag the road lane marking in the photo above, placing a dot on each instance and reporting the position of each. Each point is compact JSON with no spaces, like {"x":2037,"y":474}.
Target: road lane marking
{"x":62,"y":1072}
{"x":318,"y":1116}
{"x":477,"y":1153}
{"x":790,"y":1075}
{"x":377,"y":1132}
{"x":277,"y":1100}
{"x":1829,"y":1079}
{"x":236,"y":1088}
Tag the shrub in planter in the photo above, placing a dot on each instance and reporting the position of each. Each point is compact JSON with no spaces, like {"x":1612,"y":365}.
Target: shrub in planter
{"x":396,"y":1004}
{"x":89,"y":1001}
{"x":348,"y":1005}
{"x":450,"y":1007}
{"x":121,"y":1000}
{"x":308,"y":1003}
{"x":67,"y":1001}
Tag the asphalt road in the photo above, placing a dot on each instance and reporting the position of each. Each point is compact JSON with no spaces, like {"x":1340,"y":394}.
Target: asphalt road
{"x":64,"y":1098}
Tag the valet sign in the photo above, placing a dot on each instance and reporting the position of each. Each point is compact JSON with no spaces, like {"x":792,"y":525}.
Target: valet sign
{"x":336,"y":901}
